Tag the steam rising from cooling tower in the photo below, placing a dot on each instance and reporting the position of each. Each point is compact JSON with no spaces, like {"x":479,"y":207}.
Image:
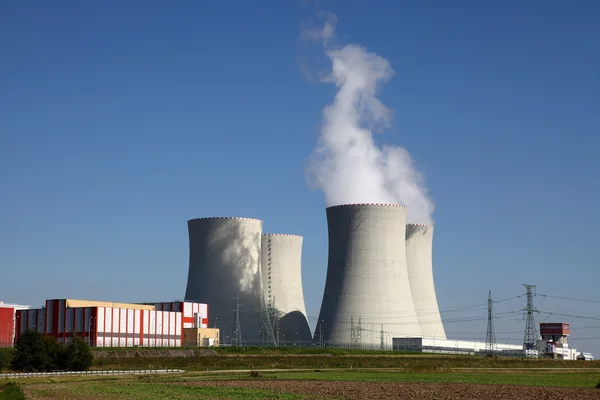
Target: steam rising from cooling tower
{"x":347,"y":165}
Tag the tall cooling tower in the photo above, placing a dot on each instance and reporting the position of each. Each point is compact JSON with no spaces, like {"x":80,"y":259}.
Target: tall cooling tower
{"x":281,"y":265}
{"x":225,"y":264}
{"x":367,"y":289}
{"x":419,"y":245}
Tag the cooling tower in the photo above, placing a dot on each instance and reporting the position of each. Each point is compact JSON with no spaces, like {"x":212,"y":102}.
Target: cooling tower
{"x":281,"y":268}
{"x":225,"y":263}
{"x":419,"y":244}
{"x":366,"y":289}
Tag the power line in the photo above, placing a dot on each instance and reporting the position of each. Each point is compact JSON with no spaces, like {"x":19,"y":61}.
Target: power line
{"x":569,"y":298}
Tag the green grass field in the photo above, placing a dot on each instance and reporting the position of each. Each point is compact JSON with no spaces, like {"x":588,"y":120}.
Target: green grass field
{"x":170,"y":387}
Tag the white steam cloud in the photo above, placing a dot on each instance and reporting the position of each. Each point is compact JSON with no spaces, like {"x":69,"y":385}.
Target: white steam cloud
{"x":347,"y":164}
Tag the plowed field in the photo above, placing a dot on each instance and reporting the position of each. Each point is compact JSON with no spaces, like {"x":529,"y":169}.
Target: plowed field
{"x":406,"y":391}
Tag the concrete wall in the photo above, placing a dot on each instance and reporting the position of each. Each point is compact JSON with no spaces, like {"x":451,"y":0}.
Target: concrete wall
{"x":225,"y":261}
{"x":419,"y":243}
{"x":281,"y":265}
{"x":367,"y":277}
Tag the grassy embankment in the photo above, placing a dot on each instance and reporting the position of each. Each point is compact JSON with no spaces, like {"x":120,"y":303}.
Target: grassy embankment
{"x":169,"y":387}
{"x":313,"y":358}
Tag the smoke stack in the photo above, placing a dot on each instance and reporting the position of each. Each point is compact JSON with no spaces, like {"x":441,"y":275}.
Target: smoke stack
{"x":419,"y":244}
{"x":225,"y":264}
{"x":367,"y":283}
{"x":281,"y":269}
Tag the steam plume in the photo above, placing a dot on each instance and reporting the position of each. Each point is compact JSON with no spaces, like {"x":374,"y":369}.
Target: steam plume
{"x":347,"y":164}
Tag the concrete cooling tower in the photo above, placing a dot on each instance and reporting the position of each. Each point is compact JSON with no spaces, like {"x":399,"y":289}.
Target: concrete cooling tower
{"x":367,"y":289}
{"x":419,"y":244}
{"x":281,"y":268}
{"x":225,"y":263}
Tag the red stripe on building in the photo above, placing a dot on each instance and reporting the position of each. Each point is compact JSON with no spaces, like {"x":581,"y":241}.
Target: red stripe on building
{"x":93,"y":326}
{"x":142,"y":328}
{"x":64,"y":323}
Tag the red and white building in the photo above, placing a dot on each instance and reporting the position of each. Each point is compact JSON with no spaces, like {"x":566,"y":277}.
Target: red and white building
{"x":7,"y":323}
{"x":105,"y":324}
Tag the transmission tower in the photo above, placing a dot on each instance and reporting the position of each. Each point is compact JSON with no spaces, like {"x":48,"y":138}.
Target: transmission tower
{"x":354,"y":340}
{"x":530,"y":339}
{"x":237,"y":334}
{"x":356,"y":333}
{"x":266,"y":329}
{"x":490,"y":339}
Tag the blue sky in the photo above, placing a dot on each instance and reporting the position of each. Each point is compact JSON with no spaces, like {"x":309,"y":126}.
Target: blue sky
{"x":122,"y":120}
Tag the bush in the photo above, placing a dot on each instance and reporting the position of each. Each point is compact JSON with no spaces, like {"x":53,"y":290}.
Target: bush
{"x":37,"y":353}
{"x":31,"y":353}
{"x":12,"y":391}
{"x":598,"y":385}
{"x":3,"y":360}
{"x":78,"y":355}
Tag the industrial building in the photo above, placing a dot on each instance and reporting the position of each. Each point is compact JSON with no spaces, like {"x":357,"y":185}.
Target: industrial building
{"x":281,"y":269}
{"x":7,"y":323}
{"x":109,"y":324}
{"x":419,"y":249}
{"x":451,"y":346}
{"x":553,"y":342}
{"x":367,"y":299}
{"x":225,"y":272}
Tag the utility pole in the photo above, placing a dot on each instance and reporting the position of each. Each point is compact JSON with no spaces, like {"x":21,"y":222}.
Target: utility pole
{"x":531,"y":337}
{"x":490,"y":339}
{"x":382,"y":343}
{"x":237,"y":336}
{"x":321,"y":334}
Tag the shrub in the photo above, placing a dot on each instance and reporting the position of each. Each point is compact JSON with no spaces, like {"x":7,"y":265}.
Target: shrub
{"x":12,"y":391}
{"x":255,"y":374}
{"x":598,"y":385}
{"x":78,"y":355}
{"x":31,"y":353}
{"x":37,"y":353}
{"x":3,"y":360}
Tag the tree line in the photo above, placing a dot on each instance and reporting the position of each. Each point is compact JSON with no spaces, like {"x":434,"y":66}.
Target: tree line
{"x":35,"y":352}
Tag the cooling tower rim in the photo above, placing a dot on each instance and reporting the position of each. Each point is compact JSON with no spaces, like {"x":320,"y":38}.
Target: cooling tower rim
{"x":417,"y":224}
{"x":368,"y":204}
{"x":235,"y":218}
{"x":281,"y":234}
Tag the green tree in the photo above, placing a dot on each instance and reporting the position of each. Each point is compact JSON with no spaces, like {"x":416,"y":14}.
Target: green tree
{"x":37,"y":353}
{"x":3,"y":360}
{"x":78,"y":355}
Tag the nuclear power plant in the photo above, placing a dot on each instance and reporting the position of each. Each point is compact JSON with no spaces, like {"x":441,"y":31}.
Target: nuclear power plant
{"x":379,"y":284}
{"x":367,"y":298}
{"x":281,"y":267}
{"x":224,"y":272}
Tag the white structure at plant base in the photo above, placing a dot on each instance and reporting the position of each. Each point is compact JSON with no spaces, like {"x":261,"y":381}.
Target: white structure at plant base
{"x":367,"y":299}
{"x":225,"y":264}
{"x":419,"y":246}
{"x":281,"y":269}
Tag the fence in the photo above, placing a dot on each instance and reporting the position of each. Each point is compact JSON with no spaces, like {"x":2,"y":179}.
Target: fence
{"x":92,"y":373}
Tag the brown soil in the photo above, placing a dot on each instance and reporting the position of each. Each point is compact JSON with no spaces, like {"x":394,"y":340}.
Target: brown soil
{"x":408,"y":391}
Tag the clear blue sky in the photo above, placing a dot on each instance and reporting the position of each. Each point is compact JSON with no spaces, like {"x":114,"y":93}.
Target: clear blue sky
{"x":119,"y":121}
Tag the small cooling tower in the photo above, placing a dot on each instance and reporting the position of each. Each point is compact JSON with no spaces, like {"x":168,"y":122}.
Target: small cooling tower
{"x":367,"y":289}
{"x":419,"y":243}
{"x":225,"y":263}
{"x":281,"y":265}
